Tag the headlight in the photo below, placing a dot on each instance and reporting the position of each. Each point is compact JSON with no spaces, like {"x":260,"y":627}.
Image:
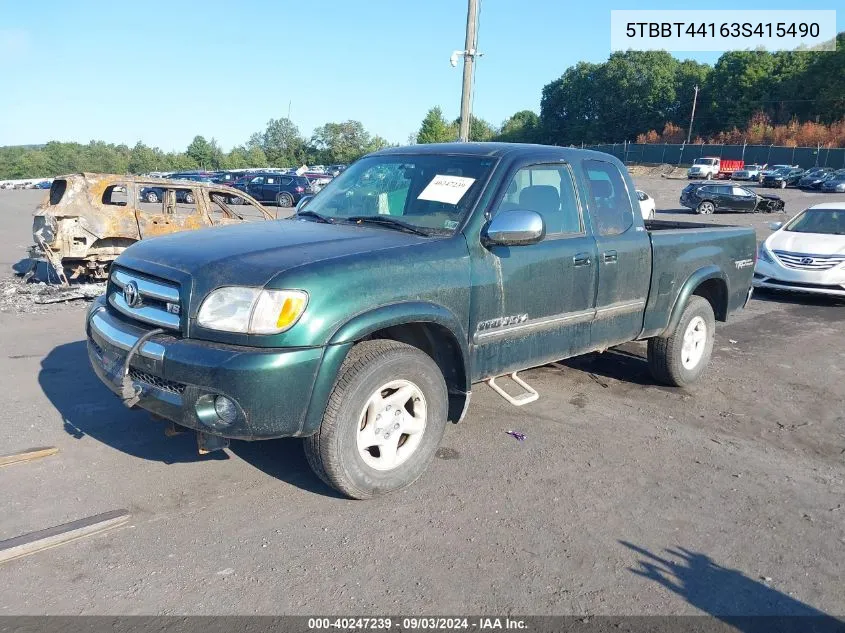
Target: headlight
{"x":763,"y":253}
{"x":252,"y":310}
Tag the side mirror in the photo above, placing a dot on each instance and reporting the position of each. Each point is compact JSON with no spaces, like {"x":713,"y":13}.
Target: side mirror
{"x":775,"y":226}
{"x":303,"y":201}
{"x":515,"y":227}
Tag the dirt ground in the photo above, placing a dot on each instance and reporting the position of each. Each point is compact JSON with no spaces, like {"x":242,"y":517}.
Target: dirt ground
{"x":624,"y":498}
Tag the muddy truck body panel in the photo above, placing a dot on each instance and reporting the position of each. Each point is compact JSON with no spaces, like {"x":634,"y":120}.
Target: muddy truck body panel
{"x":497,"y":258}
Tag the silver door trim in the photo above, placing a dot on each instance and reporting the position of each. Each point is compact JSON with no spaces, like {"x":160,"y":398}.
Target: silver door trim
{"x":554,"y":320}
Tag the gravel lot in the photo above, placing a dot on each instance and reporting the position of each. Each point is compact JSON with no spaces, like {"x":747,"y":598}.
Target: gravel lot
{"x":625,"y":498}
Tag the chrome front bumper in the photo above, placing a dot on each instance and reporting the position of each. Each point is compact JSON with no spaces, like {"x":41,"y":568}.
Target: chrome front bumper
{"x":121,"y":335}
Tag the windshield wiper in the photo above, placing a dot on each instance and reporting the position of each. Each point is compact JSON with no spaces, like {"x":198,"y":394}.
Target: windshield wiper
{"x":313,"y":214}
{"x":386,"y":220}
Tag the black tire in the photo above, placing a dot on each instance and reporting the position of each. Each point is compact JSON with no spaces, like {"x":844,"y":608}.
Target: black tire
{"x":151,"y":196}
{"x":236,"y":200}
{"x":332,"y":452}
{"x":665,"y":352}
{"x":783,"y":184}
{"x":189,"y":198}
{"x":705,"y":207}
{"x":284,"y":199}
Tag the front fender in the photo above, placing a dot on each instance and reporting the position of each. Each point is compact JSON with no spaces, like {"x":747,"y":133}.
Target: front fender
{"x":366,"y":323}
{"x":361,"y":326}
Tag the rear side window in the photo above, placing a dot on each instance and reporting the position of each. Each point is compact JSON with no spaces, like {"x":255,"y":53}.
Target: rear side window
{"x":57,"y":190}
{"x":115,"y":195}
{"x":610,"y":203}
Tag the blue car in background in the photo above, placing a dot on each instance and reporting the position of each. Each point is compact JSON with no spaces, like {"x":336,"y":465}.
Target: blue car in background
{"x":156,"y":194}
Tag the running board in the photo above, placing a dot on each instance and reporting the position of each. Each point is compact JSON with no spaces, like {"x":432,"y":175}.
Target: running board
{"x":530,"y":394}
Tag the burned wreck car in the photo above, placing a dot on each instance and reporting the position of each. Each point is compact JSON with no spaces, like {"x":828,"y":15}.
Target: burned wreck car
{"x":87,"y":220}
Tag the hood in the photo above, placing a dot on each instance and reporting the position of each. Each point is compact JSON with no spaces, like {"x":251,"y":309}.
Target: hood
{"x":810,"y":243}
{"x":765,"y":197}
{"x":251,"y":254}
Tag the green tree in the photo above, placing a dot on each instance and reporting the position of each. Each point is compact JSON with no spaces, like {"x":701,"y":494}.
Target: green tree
{"x":201,"y":152}
{"x":435,"y":129}
{"x":143,"y":159}
{"x":479,"y":129}
{"x":343,"y":142}
{"x":521,"y":127}
{"x":282,"y":144}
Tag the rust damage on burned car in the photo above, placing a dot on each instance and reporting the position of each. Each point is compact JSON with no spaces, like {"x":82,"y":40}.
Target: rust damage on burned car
{"x":87,"y":220}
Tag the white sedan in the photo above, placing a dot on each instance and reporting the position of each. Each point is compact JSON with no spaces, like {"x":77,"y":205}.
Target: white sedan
{"x":646,"y":205}
{"x":807,"y":254}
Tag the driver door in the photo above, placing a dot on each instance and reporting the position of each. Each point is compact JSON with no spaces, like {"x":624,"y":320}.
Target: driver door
{"x":534,"y":303}
{"x":177,"y":211}
{"x":743,"y":199}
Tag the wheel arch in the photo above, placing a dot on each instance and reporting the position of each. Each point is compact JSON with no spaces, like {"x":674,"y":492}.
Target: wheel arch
{"x":429,"y":327}
{"x":709,"y":283}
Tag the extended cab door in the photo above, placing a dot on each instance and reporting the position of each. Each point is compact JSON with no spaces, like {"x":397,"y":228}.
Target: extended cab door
{"x":624,"y":255}
{"x":534,"y":303}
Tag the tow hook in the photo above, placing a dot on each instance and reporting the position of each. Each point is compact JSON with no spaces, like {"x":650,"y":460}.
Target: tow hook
{"x":206,"y":443}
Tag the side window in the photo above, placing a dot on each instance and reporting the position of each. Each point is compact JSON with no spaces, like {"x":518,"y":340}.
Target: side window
{"x":724,"y":190}
{"x":176,"y":201}
{"x":221,"y":208}
{"x":548,"y":190}
{"x":287,"y":181}
{"x":116,"y":195}
{"x":258,"y":180}
{"x":609,"y":200}
{"x":271,"y":180}
{"x":739,"y":191}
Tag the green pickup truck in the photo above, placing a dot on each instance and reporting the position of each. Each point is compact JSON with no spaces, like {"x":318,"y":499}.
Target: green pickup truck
{"x":362,"y":322}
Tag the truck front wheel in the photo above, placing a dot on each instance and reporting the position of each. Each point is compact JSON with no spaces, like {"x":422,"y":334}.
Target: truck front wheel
{"x":384,"y":420}
{"x":680,"y":358}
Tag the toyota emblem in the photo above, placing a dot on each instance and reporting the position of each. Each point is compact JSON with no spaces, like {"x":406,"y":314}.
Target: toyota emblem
{"x":807,"y":260}
{"x":131,"y":295}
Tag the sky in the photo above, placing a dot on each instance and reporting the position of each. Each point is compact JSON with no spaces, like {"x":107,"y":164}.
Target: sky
{"x":162,"y":72}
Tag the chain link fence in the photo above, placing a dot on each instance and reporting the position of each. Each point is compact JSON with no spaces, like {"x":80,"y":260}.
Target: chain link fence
{"x":683,"y":154}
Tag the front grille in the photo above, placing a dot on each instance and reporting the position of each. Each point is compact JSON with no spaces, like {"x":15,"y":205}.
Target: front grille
{"x":149,"y":300}
{"x":154,"y":381}
{"x":804,"y":261}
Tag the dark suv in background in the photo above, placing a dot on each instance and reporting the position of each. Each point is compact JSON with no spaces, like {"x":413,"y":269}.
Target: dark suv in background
{"x":284,"y":190}
{"x":783,"y":178}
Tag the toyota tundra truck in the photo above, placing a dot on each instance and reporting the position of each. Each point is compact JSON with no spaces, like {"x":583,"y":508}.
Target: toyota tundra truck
{"x":363,"y":322}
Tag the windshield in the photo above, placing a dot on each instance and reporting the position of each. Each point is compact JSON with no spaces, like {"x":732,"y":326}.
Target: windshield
{"x":825,"y":221}
{"x":704,"y":161}
{"x":429,"y":191}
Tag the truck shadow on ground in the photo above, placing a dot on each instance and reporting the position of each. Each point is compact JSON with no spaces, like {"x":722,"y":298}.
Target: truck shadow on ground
{"x":88,"y":408}
{"x":729,"y":595}
{"x":617,"y":364}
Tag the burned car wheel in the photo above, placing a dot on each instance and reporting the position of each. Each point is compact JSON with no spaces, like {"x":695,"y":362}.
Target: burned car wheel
{"x":705,"y":208}
{"x":384,"y":420}
{"x":151,"y":196}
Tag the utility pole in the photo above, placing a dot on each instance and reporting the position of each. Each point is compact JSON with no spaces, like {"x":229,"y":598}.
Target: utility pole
{"x":692,"y":116}
{"x":469,"y":68}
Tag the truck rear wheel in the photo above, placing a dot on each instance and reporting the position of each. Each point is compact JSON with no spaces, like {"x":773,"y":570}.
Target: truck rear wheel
{"x":681,"y":357}
{"x":383,"y":423}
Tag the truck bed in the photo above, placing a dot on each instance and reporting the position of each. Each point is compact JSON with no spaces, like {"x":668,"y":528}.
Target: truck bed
{"x":683,"y":249}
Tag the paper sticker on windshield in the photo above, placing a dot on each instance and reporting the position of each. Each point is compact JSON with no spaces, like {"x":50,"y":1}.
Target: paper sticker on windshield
{"x":448,"y":189}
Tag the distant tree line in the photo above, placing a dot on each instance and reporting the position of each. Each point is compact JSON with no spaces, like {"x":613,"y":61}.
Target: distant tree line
{"x":279,"y":145}
{"x":767,"y":96}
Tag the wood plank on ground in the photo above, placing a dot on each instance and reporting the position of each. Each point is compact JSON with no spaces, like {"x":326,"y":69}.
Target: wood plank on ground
{"x":60,"y":534}
{"x":28,"y":455}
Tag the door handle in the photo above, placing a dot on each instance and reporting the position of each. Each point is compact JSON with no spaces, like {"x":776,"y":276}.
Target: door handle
{"x":609,"y":257}
{"x":581,"y":259}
